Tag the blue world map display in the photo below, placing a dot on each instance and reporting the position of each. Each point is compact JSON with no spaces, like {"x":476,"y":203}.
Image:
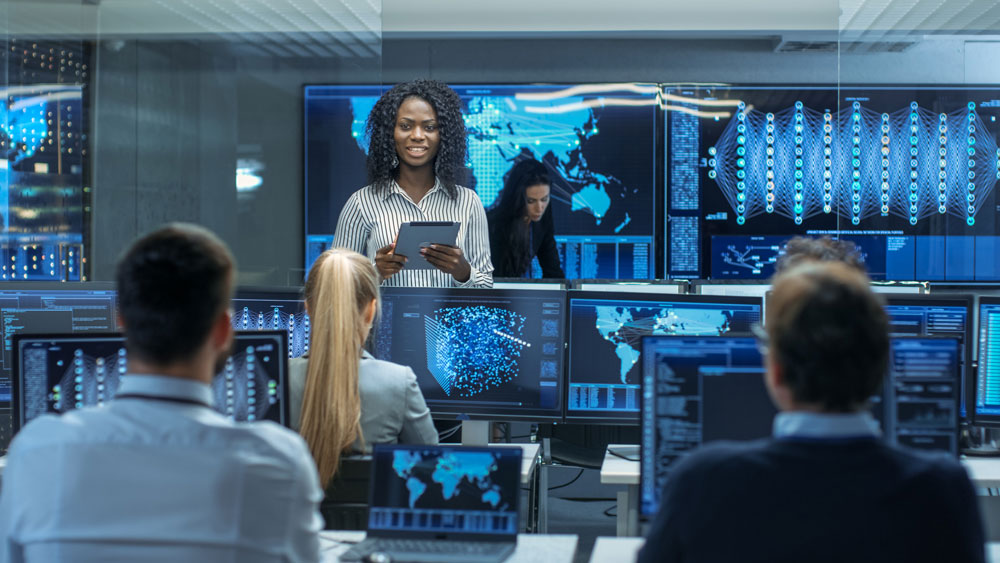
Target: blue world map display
{"x":463,"y":478}
{"x":597,"y":141}
{"x":556,"y":127}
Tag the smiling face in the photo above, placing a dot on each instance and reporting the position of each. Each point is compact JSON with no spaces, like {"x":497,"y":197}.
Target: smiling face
{"x":536,"y":200}
{"x":416,"y":133}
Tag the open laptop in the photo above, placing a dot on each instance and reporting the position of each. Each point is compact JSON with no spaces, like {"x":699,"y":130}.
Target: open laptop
{"x":442,"y":503}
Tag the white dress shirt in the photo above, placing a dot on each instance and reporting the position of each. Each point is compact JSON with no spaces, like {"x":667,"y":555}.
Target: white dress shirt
{"x":158,"y":476}
{"x":370,"y":221}
{"x":802,"y":425}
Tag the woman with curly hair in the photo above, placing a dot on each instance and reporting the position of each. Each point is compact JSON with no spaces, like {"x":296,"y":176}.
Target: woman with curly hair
{"x":416,"y":156}
{"x":521,"y":226}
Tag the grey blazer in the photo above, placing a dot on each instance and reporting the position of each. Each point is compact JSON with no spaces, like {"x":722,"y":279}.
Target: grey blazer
{"x":392,"y":407}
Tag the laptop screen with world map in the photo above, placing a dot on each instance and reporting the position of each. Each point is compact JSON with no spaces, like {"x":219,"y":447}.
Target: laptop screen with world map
{"x":444,"y":491}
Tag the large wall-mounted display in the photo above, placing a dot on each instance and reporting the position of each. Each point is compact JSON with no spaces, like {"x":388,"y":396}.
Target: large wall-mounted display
{"x":906,"y":173}
{"x":44,"y":160}
{"x":598,"y":142}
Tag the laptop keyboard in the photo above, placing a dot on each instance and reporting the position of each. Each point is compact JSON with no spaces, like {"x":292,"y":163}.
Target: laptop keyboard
{"x":442,"y":550}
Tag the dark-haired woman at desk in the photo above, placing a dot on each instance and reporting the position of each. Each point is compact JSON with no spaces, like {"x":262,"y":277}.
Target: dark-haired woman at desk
{"x":416,"y":155}
{"x":521,"y":225}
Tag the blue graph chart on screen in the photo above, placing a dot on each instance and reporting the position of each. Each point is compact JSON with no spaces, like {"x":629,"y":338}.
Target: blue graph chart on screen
{"x":244,"y":390}
{"x":474,"y":349}
{"x":88,"y":380}
{"x":600,"y":194}
{"x":276,"y":317}
{"x":906,"y":173}
{"x":857,"y":162}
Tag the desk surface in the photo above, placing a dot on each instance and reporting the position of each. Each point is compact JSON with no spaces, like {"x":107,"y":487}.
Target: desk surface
{"x":984,"y":472}
{"x":531,"y":548}
{"x":609,"y":549}
{"x":529,"y":458}
{"x":616,"y":470}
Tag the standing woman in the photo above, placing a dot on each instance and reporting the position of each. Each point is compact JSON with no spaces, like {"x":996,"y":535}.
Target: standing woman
{"x":521,"y":225}
{"x":341,"y":398}
{"x":416,"y":154}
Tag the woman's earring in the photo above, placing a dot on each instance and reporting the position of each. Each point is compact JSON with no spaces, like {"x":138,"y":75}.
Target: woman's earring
{"x":395,"y":161}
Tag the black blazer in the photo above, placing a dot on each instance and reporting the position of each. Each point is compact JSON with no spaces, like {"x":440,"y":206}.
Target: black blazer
{"x":541,"y":243}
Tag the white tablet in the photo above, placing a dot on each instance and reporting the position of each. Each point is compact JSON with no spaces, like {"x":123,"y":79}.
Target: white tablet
{"x":417,"y":234}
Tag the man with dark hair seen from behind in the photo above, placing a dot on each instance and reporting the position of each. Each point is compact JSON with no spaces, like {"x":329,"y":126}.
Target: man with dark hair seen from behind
{"x":157,"y":475}
{"x":825,"y":487}
{"x":823,"y":249}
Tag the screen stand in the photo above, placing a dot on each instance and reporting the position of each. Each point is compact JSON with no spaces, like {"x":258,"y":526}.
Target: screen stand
{"x":983,"y":442}
{"x":475,"y":432}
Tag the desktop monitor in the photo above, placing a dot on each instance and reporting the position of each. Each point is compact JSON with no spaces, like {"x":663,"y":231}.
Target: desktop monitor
{"x":986,"y":404}
{"x":673,"y":370}
{"x":605,"y":330}
{"x":57,"y":373}
{"x":697,"y":391}
{"x":906,"y":173}
{"x":478,"y":354}
{"x":48,"y":307}
{"x":274,"y":309}
{"x":602,"y":197}
{"x":937,"y":315}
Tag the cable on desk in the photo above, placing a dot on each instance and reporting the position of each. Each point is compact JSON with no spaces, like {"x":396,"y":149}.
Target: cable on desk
{"x":621,"y":455}
{"x":566,"y":484}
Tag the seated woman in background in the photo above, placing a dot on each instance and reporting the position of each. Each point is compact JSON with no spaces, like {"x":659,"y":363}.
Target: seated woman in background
{"x":521,"y":226}
{"x":341,"y":398}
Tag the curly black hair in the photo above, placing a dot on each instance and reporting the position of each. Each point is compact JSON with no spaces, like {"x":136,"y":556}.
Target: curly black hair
{"x":449,"y":164}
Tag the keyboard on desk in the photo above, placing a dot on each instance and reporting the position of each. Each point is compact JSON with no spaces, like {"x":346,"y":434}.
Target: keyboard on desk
{"x":400,"y":550}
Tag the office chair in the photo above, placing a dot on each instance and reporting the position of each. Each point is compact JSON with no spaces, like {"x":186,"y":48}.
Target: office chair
{"x":345,"y":506}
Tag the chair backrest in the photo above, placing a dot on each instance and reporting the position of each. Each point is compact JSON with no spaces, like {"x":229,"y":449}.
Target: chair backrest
{"x":345,"y":506}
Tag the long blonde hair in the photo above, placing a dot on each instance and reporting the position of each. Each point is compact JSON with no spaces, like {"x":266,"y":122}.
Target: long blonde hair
{"x":341,"y":286}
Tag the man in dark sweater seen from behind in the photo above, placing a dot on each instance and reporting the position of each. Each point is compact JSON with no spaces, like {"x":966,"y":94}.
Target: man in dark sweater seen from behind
{"x":824,"y":487}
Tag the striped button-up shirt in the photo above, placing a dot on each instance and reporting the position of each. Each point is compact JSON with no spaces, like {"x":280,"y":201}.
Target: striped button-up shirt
{"x":371,"y":220}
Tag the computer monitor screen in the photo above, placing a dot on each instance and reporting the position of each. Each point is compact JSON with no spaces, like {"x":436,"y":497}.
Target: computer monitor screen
{"x":602,"y":197}
{"x":274,"y":309}
{"x":61,"y":372}
{"x":672,"y":371}
{"x":605,"y":330}
{"x":920,"y":398}
{"x":937,"y":315}
{"x":48,"y":307}
{"x":906,"y":173}
{"x":487,"y":354}
{"x":689,"y":399}
{"x":987,"y":382}
{"x":448,"y":490}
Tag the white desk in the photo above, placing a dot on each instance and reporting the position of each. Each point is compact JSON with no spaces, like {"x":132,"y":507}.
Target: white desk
{"x":529,"y":459}
{"x":615,"y":470}
{"x":984,"y":471}
{"x":616,"y":550}
{"x":531,"y":548}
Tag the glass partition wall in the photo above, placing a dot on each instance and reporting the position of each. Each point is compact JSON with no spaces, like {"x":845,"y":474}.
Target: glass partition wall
{"x":121,"y":115}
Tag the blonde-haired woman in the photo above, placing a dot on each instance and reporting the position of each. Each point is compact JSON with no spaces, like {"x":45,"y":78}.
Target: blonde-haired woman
{"x":342,"y":398}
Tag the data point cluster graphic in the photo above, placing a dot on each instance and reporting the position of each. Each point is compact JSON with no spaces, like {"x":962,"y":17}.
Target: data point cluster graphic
{"x":297,"y":325}
{"x":243,"y":390}
{"x":88,"y":381}
{"x":474,"y":349}
{"x":857,"y":163}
